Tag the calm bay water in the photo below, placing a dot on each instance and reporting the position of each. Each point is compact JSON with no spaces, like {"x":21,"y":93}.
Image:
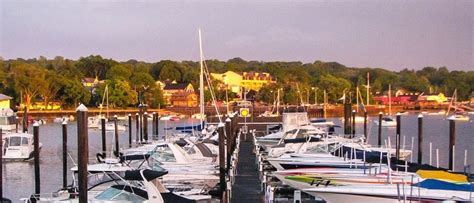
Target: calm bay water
{"x":18,"y":177}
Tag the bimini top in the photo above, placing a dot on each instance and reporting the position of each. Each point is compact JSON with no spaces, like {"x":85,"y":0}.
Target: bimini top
{"x":145,"y":173}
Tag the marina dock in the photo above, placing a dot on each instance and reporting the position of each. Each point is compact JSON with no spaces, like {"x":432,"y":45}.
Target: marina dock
{"x":247,"y":185}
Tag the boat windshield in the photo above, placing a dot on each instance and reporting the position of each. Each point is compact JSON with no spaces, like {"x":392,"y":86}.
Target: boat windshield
{"x":387,"y":119}
{"x":117,"y":194}
{"x":164,"y":156}
{"x":7,"y":120}
{"x":14,"y":141}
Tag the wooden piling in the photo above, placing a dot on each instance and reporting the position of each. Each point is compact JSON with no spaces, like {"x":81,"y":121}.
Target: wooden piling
{"x":104,"y":139}
{"x":353,"y":127}
{"x":137,"y":126}
{"x":347,"y":116}
{"x":365,"y":126}
{"x":397,"y":138}
{"x":83,"y":151}
{"x":157,"y":124}
{"x":228,"y":143}
{"x":130,"y":130}
{"x":380,"y":130}
{"x":1,"y":167}
{"x":16,"y":124}
{"x":36,"y":157}
{"x":64,"y":125}
{"x":452,"y":141}
{"x":117,"y":147}
{"x":25,"y":121}
{"x":145,"y":126}
{"x":420,"y":138}
{"x":221,"y":157}
{"x":153,"y":125}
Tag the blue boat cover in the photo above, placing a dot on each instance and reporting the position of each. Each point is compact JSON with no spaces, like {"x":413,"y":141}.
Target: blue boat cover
{"x":444,"y":185}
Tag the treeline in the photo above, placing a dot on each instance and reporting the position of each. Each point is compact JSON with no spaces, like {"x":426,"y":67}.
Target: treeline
{"x":59,"y":79}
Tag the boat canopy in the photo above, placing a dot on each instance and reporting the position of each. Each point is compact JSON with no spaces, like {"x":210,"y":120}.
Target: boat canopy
{"x":444,"y":185}
{"x":147,"y":174}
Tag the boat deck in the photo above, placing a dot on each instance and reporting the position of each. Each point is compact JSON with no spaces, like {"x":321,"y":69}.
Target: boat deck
{"x":247,"y":184}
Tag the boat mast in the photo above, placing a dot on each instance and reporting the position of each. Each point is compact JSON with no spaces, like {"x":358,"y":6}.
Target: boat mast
{"x":201,"y":81}
{"x":325,"y":102}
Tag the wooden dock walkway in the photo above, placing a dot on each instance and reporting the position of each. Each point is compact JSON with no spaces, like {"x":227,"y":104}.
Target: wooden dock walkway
{"x":247,"y":184}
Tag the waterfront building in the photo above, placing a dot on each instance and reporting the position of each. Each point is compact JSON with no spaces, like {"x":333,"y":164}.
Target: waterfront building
{"x":91,"y":83}
{"x":181,"y":89}
{"x":432,"y":98}
{"x":4,"y":101}
{"x":248,"y":80}
{"x":184,"y":99}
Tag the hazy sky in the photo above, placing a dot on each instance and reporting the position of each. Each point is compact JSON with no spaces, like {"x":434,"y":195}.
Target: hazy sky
{"x":376,"y":33}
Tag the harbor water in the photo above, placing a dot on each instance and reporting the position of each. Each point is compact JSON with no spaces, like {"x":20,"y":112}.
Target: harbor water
{"x":18,"y":177}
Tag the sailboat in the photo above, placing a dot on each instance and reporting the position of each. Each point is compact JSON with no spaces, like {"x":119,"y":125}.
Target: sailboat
{"x":109,"y":126}
{"x":388,"y":121}
{"x":458,"y":116}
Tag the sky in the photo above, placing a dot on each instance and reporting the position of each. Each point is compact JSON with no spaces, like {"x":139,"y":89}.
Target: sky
{"x":360,"y":33}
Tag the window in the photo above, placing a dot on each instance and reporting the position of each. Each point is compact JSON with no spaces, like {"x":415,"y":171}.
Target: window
{"x":24,"y":141}
{"x":15,"y":141}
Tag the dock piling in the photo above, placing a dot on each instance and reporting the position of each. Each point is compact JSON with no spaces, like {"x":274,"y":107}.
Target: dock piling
{"x":145,"y":126}
{"x":83,"y":151}
{"x":16,"y":124}
{"x":420,"y":138}
{"x":137,"y":126}
{"x":64,"y":125}
{"x":353,"y":127}
{"x":104,"y":139}
{"x":347,"y":118}
{"x":153,"y":125}
{"x":397,"y":139}
{"x":228,"y":142}
{"x":452,"y":141}
{"x":365,"y":126}
{"x":36,"y":157}
{"x":157,"y":120}
{"x":129,"y":130}
{"x":117,"y":150}
{"x":1,"y":167}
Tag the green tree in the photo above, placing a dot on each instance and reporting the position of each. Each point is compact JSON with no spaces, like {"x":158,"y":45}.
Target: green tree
{"x":29,"y":80}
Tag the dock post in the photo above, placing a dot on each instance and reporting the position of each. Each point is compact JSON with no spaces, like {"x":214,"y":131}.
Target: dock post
{"x":380,"y":130}
{"x":1,"y":167}
{"x":64,"y":124}
{"x":221,"y":156}
{"x":16,"y":124}
{"x":420,"y":138}
{"x":36,"y":157}
{"x":83,"y":151}
{"x":347,"y":118}
{"x":117,"y":150}
{"x":129,"y":130}
{"x":137,"y":126}
{"x":452,"y":141}
{"x":397,"y":138}
{"x":353,"y":127}
{"x":157,"y":125}
{"x":153,"y":123}
{"x":104,"y":139}
{"x":24,"y":123}
{"x":228,"y":143}
{"x":145,"y":126}
{"x":365,"y":126}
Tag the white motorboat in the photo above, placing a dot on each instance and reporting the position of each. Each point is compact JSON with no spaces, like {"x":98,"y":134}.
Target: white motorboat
{"x":7,"y":120}
{"x":459,"y":117}
{"x":387,"y":122}
{"x":358,"y":119}
{"x":18,"y":146}
{"x":386,"y":193}
{"x":111,"y":127}
{"x":94,"y":121}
